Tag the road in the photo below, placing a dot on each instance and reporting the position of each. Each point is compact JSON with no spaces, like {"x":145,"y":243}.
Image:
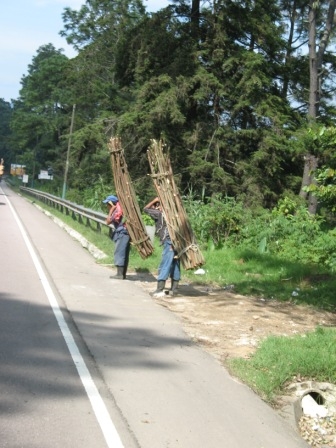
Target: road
{"x":87,"y":361}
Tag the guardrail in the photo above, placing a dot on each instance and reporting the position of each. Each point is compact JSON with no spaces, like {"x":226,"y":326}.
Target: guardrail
{"x":77,"y":211}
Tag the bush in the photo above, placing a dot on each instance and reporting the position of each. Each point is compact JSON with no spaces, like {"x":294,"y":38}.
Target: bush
{"x":288,"y":231}
{"x":216,"y":220}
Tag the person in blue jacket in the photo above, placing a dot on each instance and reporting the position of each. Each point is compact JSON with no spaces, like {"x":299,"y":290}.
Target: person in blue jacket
{"x":170,"y":263}
{"x":120,"y":236}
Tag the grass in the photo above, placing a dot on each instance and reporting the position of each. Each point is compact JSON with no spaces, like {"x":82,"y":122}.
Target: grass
{"x":279,"y":359}
{"x":266,"y":276}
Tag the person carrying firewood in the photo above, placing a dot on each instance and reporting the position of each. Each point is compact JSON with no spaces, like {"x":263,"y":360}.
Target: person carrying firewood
{"x":119,"y":235}
{"x":170,"y":263}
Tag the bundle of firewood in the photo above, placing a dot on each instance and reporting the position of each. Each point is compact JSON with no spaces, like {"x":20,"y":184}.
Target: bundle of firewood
{"x":127,"y":198}
{"x":179,"y":227}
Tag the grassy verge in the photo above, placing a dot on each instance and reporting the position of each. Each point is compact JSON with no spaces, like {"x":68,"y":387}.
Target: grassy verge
{"x":269,"y":277}
{"x":279,"y":359}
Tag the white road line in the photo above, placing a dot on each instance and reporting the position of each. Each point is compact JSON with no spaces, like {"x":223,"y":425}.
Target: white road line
{"x":110,"y":433}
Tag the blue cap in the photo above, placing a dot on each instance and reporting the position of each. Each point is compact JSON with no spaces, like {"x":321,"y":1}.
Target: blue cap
{"x":111,"y":198}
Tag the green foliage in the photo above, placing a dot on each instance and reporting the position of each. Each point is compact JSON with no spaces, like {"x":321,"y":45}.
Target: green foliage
{"x":300,"y":237}
{"x":286,"y":207}
{"x":93,"y":197}
{"x":287,"y":231}
{"x":5,"y":133}
{"x":148,"y":221}
{"x":40,"y":116}
{"x":227,"y":88}
{"x":325,"y":188}
{"x":215,"y":220}
{"x":322,"y":142}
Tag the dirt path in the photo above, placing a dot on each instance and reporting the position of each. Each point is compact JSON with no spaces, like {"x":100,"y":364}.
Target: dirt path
{"x":231,"y":325}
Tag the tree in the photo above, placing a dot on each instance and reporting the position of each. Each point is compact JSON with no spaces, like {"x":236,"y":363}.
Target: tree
{"x":320,"y":26}
{"x":5,"y":132}
{"x":40,"y":114}
{"x":97,"y":31}
{"x":226,"y":84}
{"x":324,"y":185}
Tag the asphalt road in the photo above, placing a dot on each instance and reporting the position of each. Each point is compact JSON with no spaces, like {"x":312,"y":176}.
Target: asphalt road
{"x":86,"y":361}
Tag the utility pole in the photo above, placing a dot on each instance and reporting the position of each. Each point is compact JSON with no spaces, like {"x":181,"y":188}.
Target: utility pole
{"x":68,"y":153}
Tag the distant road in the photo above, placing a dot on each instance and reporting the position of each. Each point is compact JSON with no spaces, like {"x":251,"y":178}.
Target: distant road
{"x":86,"y":361}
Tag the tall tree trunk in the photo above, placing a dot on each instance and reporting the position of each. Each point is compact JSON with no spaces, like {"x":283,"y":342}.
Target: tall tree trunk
{"x":306,"y":177}
{"x":314,"y":66}
{"x":289,"y":50}
{"x":310,"y":165}
{"x":195,"y":17}
{"x":311,"y":161}
{"x":194,"y":30}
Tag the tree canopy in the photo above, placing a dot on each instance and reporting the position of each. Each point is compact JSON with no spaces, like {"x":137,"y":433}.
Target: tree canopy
{"x":231,"y":86}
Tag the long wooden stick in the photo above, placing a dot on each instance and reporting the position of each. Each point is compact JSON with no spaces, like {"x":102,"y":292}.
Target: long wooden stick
{"x":126,"y":194}
{"x":179,"y":227}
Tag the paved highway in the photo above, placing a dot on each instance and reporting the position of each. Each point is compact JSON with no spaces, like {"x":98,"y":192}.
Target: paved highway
{"x":90,"y":362}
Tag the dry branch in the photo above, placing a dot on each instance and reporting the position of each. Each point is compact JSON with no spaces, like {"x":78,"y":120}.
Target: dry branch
{"x":179,"y":227}
{"x":125,"y":192}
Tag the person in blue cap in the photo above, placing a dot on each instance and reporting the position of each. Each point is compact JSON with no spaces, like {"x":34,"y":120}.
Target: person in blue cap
{"x":120,"y":236}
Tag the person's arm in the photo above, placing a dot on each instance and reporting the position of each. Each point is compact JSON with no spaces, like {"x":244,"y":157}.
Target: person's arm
{"x":109,"y":216}
{"x":151,"y":203}
{"x":152,"y":211}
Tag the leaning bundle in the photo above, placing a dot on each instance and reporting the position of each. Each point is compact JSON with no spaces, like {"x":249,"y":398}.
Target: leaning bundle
{"x":125,"y":192}
{"x":180,"y":230}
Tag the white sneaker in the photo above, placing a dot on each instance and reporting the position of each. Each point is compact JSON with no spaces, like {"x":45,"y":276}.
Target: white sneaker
{"x":157,"y":294}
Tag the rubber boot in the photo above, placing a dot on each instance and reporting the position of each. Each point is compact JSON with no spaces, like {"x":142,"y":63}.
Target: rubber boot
{"x":159,"y":289}
{"x":120,"y":274}
{"x":174,"y":287}
{"x":124,"y":270}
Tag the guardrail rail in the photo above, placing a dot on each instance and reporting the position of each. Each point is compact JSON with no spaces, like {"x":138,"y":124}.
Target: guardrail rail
{"x":77,"y":212}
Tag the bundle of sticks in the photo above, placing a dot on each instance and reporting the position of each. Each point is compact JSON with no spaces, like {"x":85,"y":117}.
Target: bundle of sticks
{"x":127,"y":198}
{"x":179,"y":227}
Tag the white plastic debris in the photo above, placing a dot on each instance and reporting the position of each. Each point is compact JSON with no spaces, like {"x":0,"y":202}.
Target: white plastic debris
{"x":311,"y":408}
{"x":199,"y":271}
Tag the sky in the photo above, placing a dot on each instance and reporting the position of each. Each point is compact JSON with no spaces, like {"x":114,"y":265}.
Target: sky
{"x":26,"y":25}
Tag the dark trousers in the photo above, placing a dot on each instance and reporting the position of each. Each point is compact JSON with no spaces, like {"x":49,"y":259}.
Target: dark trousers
{"x":122,"y":248}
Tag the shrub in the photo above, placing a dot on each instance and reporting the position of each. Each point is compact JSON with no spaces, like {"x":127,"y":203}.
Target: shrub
{"x":215,"y":220}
